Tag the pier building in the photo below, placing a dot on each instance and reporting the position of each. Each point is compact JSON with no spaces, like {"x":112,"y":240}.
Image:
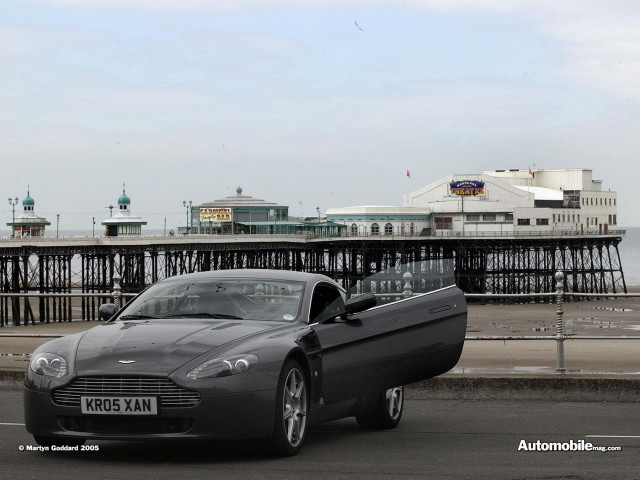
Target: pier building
{"x":27,"y":224}
{"x":228,"y":215}
{"x":382,"y":220}
{"x":500,"y":202}
{"x":243,"y":214}
{"x":123,"y":223}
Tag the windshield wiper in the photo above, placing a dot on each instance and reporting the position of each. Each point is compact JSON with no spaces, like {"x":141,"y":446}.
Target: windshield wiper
{"x":205,"y":315}
{"x":135,"y":317}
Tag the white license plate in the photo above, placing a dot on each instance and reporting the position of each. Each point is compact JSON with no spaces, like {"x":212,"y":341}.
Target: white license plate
{"x":119,"y":405}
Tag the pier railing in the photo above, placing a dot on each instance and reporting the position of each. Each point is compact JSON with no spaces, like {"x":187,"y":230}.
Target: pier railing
{"x":470,"y":232}
{"x":559,"y":296}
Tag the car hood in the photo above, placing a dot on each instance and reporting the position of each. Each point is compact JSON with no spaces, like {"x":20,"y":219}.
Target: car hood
{"x":158,"y":347}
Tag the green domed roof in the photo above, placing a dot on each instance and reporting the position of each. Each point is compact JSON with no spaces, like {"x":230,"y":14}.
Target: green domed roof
{"x":28,"y":200}
{"x":239,"y":190}
{"x":124,"y":199}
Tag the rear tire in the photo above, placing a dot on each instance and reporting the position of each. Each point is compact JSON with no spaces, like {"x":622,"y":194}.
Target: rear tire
{"x":292,"y":402}
{"x":387,"y":412}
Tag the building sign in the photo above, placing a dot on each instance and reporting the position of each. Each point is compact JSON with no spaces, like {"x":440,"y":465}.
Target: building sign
{"x":215,"y":215}
{"x":467,"y":187}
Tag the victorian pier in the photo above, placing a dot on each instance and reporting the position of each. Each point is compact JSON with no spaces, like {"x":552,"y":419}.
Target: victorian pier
{"x":509,"y":263}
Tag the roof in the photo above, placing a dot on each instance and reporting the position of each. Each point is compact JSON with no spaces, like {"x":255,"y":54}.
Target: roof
{"x":124,"y":199}
{"x":239,"y":200}
{"x":542,"y":193}
{"x":28,"y":200}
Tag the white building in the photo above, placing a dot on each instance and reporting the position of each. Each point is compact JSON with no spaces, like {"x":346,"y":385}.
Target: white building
{"x":27,"y":224}
{"x":504,"y":201}
{"x":382,"y":220}
{"x":123,"y":223}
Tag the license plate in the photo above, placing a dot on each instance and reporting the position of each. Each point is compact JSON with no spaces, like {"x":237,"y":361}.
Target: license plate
{"x":119,"y":405}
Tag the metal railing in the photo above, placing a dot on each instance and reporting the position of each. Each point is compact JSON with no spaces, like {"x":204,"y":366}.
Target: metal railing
{"x":559,"y":295}
{"x":471,"y":232}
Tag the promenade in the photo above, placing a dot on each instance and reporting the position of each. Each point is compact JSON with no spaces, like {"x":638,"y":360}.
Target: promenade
{"x":596,"y":369}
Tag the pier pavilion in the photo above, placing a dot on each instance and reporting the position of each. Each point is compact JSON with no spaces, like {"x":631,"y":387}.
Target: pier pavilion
{"x":27,"y":224}
{"x":123,"y":223}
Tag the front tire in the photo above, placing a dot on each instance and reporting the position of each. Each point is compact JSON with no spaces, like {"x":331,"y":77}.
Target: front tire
{"x":291,"y":411}
{"x":387,"y":412}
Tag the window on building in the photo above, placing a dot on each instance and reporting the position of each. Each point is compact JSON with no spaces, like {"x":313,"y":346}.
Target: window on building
{"x":615,"y":220}
{"x":412,"y":228}
{"x":375,"y":229}
{"x":542,"y":221}
{"x":524,"y":221}
{"x":388,"y":229}
{"x":489,"y":217}
{"x":473,"y":217}
{"x":508,"y":217}
{"x":554,"y":218}
{"x":354,"y":229}
{"x":444,"y":223}
{"x":402,"y":229}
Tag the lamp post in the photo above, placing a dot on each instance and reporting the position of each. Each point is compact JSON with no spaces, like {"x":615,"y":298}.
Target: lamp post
{"x":93,"y":228}
{"x":188,"y":207}
{"x":13,"y":202}
{"x":57,"y":223}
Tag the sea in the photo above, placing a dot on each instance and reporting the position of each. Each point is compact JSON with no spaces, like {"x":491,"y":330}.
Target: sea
{"x":629,"y":248}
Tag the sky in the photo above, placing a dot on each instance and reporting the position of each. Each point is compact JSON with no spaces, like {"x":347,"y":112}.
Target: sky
{"x":314,"y":104}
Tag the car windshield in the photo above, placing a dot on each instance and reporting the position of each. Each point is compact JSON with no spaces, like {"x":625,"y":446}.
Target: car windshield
{"x":233,"y":299}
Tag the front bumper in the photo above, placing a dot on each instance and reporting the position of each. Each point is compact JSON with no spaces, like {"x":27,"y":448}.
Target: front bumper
{"x":223,"y":416}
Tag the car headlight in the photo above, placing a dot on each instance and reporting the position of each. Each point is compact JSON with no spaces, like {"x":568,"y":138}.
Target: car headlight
{"x":223,"y":367}
{"x":48,"y":364}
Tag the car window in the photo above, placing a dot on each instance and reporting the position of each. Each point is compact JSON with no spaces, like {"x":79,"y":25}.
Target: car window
{"x":237,"y":299}
{"x":327,"y":301}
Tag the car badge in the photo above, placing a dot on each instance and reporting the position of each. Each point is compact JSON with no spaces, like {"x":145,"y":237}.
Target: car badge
{"x":126,"y":362}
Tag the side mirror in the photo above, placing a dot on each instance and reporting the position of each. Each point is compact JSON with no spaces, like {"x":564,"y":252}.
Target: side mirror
{"x":107,"y":310}
{"x":360,"y":303}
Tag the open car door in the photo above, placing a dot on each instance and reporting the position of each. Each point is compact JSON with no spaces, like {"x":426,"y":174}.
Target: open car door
{"x":392,"y":344}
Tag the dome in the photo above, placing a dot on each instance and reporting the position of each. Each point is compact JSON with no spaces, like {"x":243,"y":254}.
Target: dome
{"x":239,"y":190}
{"x":28,"y":201}
{"x":124,"y":199}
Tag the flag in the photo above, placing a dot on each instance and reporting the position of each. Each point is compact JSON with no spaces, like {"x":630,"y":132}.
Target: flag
{"x":408,"y":174}
{"x":530,"y":172}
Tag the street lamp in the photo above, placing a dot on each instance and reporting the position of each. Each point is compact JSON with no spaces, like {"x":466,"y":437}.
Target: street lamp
{"x":93,"y":231}
{"x":57,"y":223}
{"x":13,"y":202}
{"x":188,"y":207}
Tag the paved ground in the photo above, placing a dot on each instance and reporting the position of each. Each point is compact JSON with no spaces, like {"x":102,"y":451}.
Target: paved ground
{"x":435,"y":439}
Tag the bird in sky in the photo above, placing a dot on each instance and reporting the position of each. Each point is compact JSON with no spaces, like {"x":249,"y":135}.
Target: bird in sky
{"x":358,"y":26}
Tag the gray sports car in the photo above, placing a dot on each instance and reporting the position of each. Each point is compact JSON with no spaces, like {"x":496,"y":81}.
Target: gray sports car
{"x":243,"y":354}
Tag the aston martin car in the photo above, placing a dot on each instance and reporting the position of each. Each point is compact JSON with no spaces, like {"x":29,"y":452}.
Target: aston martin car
{"x":243,"y":354}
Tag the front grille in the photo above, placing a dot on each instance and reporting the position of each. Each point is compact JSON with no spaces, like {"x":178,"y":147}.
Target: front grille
{"x":126,"y":425}
{"x":116,"y":425}
{"x":170,"y":394}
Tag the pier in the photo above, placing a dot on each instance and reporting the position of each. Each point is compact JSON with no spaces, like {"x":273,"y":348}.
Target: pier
{"x":496,"y":263}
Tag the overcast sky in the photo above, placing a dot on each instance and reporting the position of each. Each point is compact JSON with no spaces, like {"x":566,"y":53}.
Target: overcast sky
{"x":300,"y":105}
